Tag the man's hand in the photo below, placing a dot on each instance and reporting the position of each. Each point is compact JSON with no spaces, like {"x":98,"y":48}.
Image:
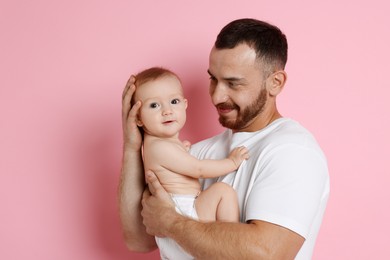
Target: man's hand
{"x":131,"y":133}
{"x":158,"y":209}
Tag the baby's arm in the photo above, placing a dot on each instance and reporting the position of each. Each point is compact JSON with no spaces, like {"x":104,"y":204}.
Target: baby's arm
{"x":176,"y":159}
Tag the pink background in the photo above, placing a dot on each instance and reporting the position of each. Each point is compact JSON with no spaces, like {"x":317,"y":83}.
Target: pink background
{"x":63,"y":67}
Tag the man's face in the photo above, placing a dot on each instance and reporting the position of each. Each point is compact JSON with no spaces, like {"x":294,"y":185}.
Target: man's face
{"x":237,"y":87}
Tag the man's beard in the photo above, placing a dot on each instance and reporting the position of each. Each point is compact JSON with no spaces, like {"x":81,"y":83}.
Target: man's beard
{"x":248,"y":113}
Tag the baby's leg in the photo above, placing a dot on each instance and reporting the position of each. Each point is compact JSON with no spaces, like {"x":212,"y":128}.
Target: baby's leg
{"x":218,"y":202}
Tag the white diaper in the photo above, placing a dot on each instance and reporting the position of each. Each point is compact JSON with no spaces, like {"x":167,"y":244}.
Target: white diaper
{"x":169,"y":249}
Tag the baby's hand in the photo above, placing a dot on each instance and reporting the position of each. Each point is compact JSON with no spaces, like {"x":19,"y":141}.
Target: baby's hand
{"x":238,"y":155}
{"x":187,"y":145}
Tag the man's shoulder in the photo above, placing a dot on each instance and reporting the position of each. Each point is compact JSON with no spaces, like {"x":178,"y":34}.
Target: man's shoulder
{"x":289,"y":131}
{"x":290,"y":134}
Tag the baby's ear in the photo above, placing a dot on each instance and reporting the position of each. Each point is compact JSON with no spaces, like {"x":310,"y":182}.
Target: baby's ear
{"x":186,"y":103}
{"x":139,"y":122}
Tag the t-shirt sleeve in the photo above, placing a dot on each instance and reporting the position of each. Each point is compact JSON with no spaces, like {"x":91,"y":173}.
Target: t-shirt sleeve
{"x":289,"y":187}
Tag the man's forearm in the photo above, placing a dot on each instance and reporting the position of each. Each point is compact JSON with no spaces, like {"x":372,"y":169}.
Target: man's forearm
{"x":215,"y":240}
{"x":131,"y":187}
{"x":222,"y":240}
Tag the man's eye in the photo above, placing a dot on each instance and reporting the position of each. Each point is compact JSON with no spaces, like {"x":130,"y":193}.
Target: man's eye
{"x":175,"y":101}
{"x":212,"y":78}
{"x":231,"y":84}
{"x":154,"y":105}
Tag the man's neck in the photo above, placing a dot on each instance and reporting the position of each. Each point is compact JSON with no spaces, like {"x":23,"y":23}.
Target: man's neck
{"x":260,"y":122}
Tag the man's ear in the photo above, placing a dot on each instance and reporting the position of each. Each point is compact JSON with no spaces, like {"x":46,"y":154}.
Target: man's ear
{"x":275,"y":82}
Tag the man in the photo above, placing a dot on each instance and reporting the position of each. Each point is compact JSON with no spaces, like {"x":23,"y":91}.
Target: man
{"x":282,"y":188}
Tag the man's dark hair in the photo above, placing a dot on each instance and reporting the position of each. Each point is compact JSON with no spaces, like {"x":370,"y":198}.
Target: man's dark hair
{"x":267,"y":40}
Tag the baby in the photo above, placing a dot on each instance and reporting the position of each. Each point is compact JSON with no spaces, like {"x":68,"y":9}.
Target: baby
{"x":161,"y":116}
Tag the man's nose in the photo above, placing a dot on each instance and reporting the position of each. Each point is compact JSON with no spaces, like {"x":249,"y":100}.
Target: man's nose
{"x":218,"y":94}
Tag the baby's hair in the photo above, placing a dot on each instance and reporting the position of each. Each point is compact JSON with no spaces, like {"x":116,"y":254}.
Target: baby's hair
{"x":150,"y":75}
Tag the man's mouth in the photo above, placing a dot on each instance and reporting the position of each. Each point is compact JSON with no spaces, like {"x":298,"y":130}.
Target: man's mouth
{"x":224,"y":109}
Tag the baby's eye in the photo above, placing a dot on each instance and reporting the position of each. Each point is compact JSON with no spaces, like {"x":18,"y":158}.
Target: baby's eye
{"x":175,"y":101}
{"x":154,"y":105}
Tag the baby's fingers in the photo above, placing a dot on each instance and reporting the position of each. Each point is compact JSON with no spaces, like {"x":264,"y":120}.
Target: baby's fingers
{"x":244,"y":152}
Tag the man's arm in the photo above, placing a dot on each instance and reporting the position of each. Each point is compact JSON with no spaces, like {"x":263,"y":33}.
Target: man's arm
{"x":132,"y":180}
{"x":216,"y":240}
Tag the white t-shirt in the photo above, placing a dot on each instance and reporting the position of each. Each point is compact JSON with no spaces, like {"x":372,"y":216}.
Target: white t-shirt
{"x":285,"y":181}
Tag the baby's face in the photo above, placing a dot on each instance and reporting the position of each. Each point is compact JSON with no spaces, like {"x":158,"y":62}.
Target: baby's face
{"x":163,"y":110}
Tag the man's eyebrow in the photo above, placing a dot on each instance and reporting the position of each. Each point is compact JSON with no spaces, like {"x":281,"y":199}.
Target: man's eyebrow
{"x":227,"y":79}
